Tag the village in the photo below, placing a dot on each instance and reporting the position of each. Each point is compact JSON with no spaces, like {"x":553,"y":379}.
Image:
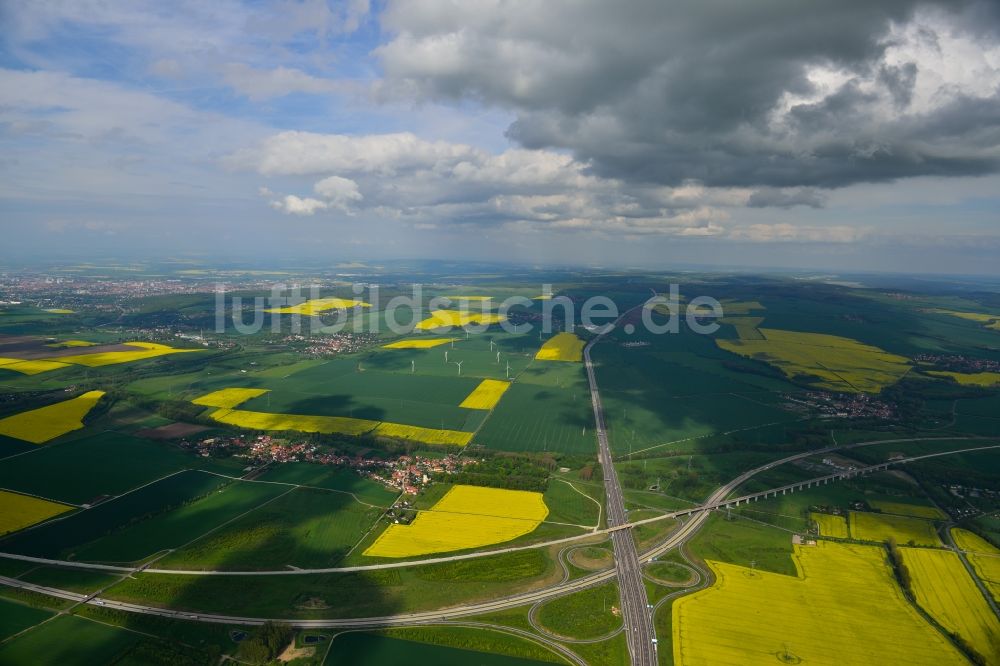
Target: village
{"x":330,"y":344}
{"x":842,"y":405}
{"x":959,"y":362}
{"x":405,"y":473}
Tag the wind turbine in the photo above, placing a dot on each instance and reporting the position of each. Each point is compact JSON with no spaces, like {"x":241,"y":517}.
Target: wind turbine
{"x":492,"y":344}
{"x":445,"y":355}
{"x":508,"y":369}
{"x":459,"y":364}
{"x":413,"y":366}
{"x":498,"y":357}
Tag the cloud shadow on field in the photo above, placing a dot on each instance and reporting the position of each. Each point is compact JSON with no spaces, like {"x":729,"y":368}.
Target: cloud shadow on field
{"x":334,"y":405}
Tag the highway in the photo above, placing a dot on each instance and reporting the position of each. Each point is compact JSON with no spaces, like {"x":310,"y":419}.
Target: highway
{"x":634,"y":605}
{"x":698,"y":516}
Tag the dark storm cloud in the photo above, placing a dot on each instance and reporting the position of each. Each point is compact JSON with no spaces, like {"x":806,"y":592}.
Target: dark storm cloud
{"x":899,"y":81}
{"x":713,"y":90}
{"x":771,"y":198}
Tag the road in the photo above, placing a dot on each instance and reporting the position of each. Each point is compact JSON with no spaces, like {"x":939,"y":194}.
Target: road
{"x":634,"y":604}
{"x":678,"y":537}
{"x":718,"y":499}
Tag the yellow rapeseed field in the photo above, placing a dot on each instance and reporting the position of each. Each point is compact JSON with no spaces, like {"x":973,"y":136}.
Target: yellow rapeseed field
{"x":450,"y":318}
{"x":843,"y":608}
{"x":561,"y":347}
{"x":423,"y":435}
{"x":466,"y":517}
{"x":746,"y":327}
{"x":879,"y":527}
{"x":914,"y":510}
{"x":146,"y":350}
{"x":301,"y":423}
{"x":418,"y":343}
{"x":59,"y":311}
{"x":316,"y":306}
{"x":486,"y":395}
{"x":229,"y":397}
{"x":943,"y":588}
{"x":989,"y":320}
{"x":71,"y":343}
{"x":40,"y":425}
{"x":830,"y":525}
{"x":970,"y":379}
{"x":20,"y":511}
{"x":982,"y":555}
{"x":32,"y":367}
{"x":841,"y":364}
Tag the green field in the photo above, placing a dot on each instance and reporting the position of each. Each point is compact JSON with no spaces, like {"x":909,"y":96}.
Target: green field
{"x":109,"y":463}
{"x":64,"y":537}
{"x":68,"y":641}
{"x":306,"y":528}
{"x":646,"y":419}
{"x":75,"y":580}
{"x":612,"y":652}
{"x":363,"y":649}
{"x":331,"y":478}
{"x":477,"y":359}
{"x":15,"y":617}
{"x":744,"y":543}
{"x":14,"y":568}
{"x":11,"y":447}
{"x":477,"y":639}
{"x":590,"y":613}
{"x":546,"y":409}
{"x":568,"y":505}
{"x":669,"y":572}
{"x":680,"y":389}
{"x":214,"y":639}
{"x":691,"y":477}
{"x":176,"y":527}
{"x":359,"y":594}
{"x":326,"y":390}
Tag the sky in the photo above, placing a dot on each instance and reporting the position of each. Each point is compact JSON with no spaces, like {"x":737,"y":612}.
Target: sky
{"x":857,"y":135}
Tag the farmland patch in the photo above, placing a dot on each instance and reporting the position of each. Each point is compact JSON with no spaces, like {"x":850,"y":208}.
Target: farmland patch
{"x":466,"y":517}
{"x":942,"y":587}
{"x":830,"y":361}
{"x":561,"y":347}
{"x":843,"y":607}
{"x":904,"y":529}
{"x":20,"y":511}
{"x":45,"y":423}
